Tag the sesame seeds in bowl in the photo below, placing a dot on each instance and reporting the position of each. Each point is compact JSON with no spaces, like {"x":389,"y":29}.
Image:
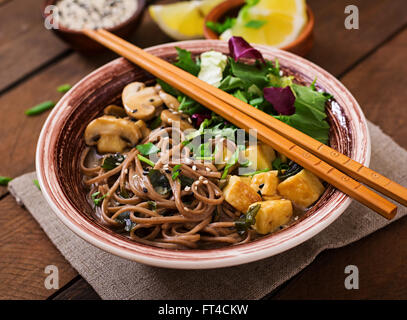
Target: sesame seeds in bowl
{"x":120,"y":17}
{"x":94,"y":14}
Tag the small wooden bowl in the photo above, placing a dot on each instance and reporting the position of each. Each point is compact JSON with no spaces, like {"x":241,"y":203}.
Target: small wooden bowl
{"x":80,"y":42}
{"x":230,"y":8}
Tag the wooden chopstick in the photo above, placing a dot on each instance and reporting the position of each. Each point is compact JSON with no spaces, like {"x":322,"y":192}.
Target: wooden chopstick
{"x":351,"y":167}
{"x":177,"y":78}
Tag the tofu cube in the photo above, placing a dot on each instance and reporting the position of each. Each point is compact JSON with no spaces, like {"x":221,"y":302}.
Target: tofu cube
{"x":272,"y":214}
{"x":261,"y":156}
{"x":268,"y":181}
{"x":303,"y":189}
{"x":239,"y":194}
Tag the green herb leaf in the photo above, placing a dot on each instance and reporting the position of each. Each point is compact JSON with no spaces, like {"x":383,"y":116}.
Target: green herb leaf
{"x":112,"y":161}
{"x":64,"y":88}
{"x":246,"y":221}
{"x":221,"y":27}
{"x":40,"y":108}
{"x":176,"y":171}
{"x":232,"y":161}
{"x":168,"y":88}
{"x":230,"y":83}
{"x":185,"y":62}
{"x":159,"y":182}
{"x":255,"y":24}
{"x":148,"y":148}
{"x":4,"y":180}
{"x":145,"y":160}
{"x":37,"y":184}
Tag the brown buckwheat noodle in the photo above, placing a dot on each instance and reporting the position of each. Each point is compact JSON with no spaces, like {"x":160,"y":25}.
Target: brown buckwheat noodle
{"x":195,"y":216}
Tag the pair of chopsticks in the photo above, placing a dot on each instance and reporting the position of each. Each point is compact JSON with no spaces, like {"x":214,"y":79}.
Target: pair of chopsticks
{"x":311,"y":154}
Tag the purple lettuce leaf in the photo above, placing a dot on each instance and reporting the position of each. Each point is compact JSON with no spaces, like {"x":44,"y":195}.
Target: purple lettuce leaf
{"x":240,"y":48}
{"x":282,"y":99}
{"x":200,"y":117}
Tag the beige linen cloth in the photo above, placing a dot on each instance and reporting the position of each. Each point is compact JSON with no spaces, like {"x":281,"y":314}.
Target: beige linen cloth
{"x":116,"y":278}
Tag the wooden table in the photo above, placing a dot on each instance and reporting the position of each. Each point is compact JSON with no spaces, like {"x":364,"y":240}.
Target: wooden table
{"x":370,"y":61}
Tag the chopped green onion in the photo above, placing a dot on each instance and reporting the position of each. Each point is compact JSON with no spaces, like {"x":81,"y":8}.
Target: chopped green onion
{"x":37,"y":184}
{"x":64,"y":88}
{"x":145,"y":160}
{"x":4,"y":180}
{"x":97,"y":201}
{"x":40,"y":108}
{"x":249,"y":174}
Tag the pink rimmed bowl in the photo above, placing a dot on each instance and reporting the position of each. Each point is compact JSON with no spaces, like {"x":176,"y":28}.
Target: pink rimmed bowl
{"x":61,"y":143}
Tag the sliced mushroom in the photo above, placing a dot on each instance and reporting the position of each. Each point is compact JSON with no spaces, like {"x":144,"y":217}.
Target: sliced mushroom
{"x":113,"y":110}
{"x":169,"y":118}
{"x":142,"y":126}
{"x":112,"y":134}
{"x":170,"y":101}
{"x":140,"y":101}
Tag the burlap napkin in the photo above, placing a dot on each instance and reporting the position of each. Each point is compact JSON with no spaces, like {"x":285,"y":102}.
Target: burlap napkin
{"x":116,"y":278}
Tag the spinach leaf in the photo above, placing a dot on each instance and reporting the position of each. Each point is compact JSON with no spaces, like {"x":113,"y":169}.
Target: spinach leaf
{"x":247,"y":220}
{"x":112,"y":161}
{"x":185,"y":62}
{"x":159,"y":182}
{"x":148,"y":148}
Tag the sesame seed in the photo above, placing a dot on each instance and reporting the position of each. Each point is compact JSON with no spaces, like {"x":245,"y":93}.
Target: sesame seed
{"x":187,"y":188}
{"x":261,"y":186}
{"x":208,"y":169}
{"x":194,"y":167}
{"x":206,"y":182}
{"x":189,"y":120}
{"x":135,"y":110}
{"x":185,"y":208}
{"x":167,"y":171}
{"x":201,"y":178}
{"x":145,"y":190}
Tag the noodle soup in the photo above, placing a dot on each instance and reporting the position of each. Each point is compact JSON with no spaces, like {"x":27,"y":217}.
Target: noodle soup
{"x":167,"y":172}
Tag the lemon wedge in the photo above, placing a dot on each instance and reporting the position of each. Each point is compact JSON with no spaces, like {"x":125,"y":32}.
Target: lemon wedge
{"x":182,"y":20}
{"x":271,"y":22}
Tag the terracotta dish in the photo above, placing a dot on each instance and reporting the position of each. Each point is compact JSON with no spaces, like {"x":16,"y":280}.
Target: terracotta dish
{"x":78,"y":41}
{"x":61,"y":143}
{"x":230,"y":8}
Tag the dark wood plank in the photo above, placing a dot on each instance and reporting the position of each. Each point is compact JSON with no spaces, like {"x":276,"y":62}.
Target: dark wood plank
{"x":80,"y":290}
{"x":379,"y":85}
{"x":336,"y":48}
{"x":25,"y":44}
{"x":19,"y":132}
{"x":25,"y":251}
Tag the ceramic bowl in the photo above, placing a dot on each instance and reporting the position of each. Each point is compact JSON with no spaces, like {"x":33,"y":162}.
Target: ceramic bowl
{"x":80,"y":42}
{"x":61,"y":143}
{"x":230,"y":8}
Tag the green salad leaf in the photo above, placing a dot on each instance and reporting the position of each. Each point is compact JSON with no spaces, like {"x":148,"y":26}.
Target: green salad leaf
{"x":112,"y":161}
{"x":185,"y":62}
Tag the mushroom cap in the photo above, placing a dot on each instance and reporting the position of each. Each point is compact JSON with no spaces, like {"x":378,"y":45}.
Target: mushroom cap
{"x":169,"y":118}
{"x":139,"y":101}
{"x":112,"y":134}
{"x":170,"y":101}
